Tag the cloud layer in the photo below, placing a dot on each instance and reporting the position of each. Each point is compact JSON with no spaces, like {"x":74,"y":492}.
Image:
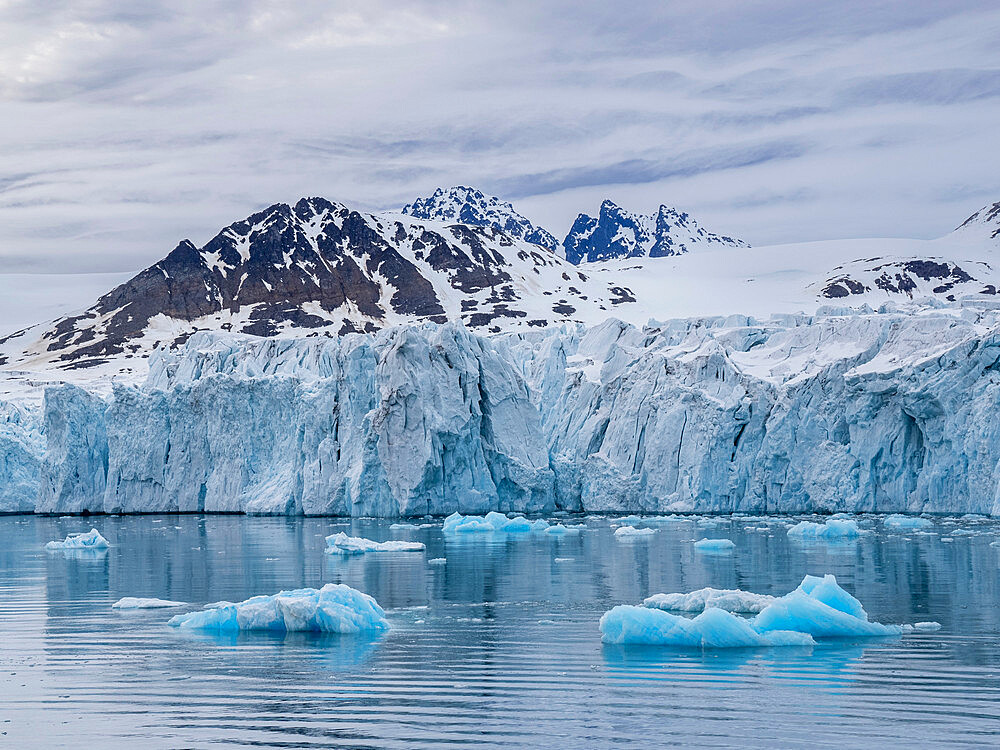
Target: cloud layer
{"x":128,"y":126}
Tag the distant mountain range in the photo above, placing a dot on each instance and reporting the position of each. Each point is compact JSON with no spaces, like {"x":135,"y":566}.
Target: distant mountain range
{"x":319,"y":267}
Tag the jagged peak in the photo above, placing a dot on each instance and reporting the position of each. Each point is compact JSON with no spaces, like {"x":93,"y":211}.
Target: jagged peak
{"x":473,"y":207}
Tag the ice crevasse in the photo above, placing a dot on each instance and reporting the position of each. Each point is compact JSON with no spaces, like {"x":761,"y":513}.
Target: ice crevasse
{"x":838,"y":411}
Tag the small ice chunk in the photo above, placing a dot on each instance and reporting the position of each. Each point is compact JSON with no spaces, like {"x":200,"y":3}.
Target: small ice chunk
{"x":628,"y":520}
{"x":356,"y":545}
{"x":335,"y":608}
{"x":539,"y":525}
{"x":632,"y":531}
{"x":136,"y":602}
{"x":456,"y":523}
{"x":402,"y":526}
{"x":438,"y":561}
{"x":558,"y":529}
{"x":84,"y":540}
{"x":927,"y":626}
{"x":898,"y":521}
{"x":835,"y":528}
{"x":965,"y":532}
{"x":731,"y":600}
{"x":518,"y":525}
{"x":563,"y":559}
{"x":714,"y":545}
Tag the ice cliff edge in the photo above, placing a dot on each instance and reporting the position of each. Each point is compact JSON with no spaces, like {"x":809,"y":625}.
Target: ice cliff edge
{"x":839,"y":411}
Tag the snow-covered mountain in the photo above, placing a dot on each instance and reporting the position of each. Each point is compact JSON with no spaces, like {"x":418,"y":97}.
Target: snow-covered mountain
{"x":469,"y":206}
{"x":319,"y":267}
{"x":985,"y":223}
{"x":617,"y":233}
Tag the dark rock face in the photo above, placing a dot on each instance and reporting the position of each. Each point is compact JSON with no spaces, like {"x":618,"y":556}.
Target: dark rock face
{"x":471,"y":207}
{"x":319,"y":266}
{"x":903,"y":278}
{"x":617,"y":233}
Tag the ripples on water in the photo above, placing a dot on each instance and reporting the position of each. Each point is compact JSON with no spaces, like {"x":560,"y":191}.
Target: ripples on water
{"x":499,"y":647}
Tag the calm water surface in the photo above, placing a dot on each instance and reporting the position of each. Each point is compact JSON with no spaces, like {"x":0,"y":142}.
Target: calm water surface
{"x":499,"y":647}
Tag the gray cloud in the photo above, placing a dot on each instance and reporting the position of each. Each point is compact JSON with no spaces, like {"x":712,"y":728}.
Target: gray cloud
{"x":129,"y":126}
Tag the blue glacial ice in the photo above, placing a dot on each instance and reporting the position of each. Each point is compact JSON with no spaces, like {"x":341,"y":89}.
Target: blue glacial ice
{"x":714,"y":545}
{"x":818,"y":608}
{"x":335,"y":608}
{"x":493,"y":521}
{"x":867,"y":412}
{"x":897,"y":521}
{"x":835,"y":529}
{"x":84,"y":540}
{"x":341,"y":543}
{"x":137,"y":602}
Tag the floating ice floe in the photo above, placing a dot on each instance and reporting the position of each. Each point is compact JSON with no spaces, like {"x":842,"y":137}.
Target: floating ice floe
{"x":818,"y":608}
{"x":335,"y":608}
{"x":84,"y":540}
{"x":927,"y":626}
{"x":403,"y":526}
{"x":456,"y":523}
{"x":730,"y":600}
{"x":834,"y":529}
{"x":631,"y":531}
{"x":714,"y":545}
{"x":356,"y":545}
{"x":438,"y":561}
{"x":897,"y":521}
{"x":136,"y":602}
{"x":557,"y":529}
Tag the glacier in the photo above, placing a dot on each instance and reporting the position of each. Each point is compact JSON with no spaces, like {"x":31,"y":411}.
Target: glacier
{"x":871,"y":411}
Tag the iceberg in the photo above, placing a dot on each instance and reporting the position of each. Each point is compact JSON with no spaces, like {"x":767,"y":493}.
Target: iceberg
{"x":818,"y":608}
{"x":632,"y":531}
{"x":84,"y":540}
{"x":714,"y":545}
{"x":731,"y":600}
{"x":927,"y":626}
{"x":135,"y":602}
{"x":355,"y":545}
{"x":897,"y":521}
{"x":438,"y":561}
{"x":335,"y":608}
{"x":714,"y":628}
{"x":557,"y":529}
{"x":832,"y":530}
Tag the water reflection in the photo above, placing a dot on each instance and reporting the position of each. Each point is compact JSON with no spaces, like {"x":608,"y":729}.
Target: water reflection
{"x":499,"y":646}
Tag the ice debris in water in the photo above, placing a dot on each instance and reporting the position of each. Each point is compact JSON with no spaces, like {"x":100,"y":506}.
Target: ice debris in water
{"x":438,"y":561}
{"x":137,"y":602}
{"x":84,"y":540}
{"x":714,"y":545}
{"x":356,"y":545}
{"x":456,"y":523}
{"x":731,"y":600}
{"x":335,"y":608}
{"x":402,"y":526}
{"x":632,"y":531}
{"x":818,"y":608}
{"x":927,"y":626}
{"x":835,"y":528}
{"x":897,"y":521}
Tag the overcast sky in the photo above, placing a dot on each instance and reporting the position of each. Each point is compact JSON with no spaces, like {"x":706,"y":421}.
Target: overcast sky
{"x":127,"y":126}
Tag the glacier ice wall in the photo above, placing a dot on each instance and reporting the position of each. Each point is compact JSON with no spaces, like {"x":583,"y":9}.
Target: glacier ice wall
{"x":409,"y":421}
{"x":21,"y":447}
{"x":857,"y":412}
